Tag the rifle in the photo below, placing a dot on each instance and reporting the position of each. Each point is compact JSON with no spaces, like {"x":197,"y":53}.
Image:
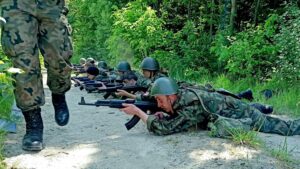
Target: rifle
{"x":93,"y":87}
{"x":79,"y":81}
{"x":143,"y":105}
{"x":110,"y":90}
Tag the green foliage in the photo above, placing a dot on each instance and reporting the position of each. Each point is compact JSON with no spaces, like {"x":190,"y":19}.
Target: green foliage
{"x":91,"y":22}
{"x":249,"y":53}
{"x":138,"y":26}
{"x":289,"y":43}
{"x":187,"y":50}
{"x":6,"y":89}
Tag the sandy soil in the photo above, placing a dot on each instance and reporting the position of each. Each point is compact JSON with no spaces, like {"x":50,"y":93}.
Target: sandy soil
{"x":96,"y":138}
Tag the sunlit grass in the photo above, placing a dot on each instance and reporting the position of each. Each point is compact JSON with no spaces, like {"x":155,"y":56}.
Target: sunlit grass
{"x":243,"y":137}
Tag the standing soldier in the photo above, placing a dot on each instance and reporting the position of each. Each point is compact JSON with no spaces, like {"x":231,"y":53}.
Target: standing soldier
{"x":34,"y":26}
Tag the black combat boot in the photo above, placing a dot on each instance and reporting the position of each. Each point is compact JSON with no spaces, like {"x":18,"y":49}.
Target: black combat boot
{"x":61,"y":109}
{"x":266,"y":109}
{"x":246,"y":95}
{"x":267,"y":93}
{"x":33,"y":139}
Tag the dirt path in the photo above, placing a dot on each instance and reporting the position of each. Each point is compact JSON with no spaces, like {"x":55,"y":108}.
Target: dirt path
{"x":96,"y":138}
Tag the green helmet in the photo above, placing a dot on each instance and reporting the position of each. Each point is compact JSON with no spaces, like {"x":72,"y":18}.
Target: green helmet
{"x":150,"y":64}
{"x":102,"y":64}
{"x":164,"y":86}
{"x":123,"y":66}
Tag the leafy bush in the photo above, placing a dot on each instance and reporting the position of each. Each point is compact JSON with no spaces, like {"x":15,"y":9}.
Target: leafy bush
{"x":288,"y":39}
{"x":250,"y":53}
{"x":91,"y":24}
{"x":184,"y":53}
{"x":138,"y":26}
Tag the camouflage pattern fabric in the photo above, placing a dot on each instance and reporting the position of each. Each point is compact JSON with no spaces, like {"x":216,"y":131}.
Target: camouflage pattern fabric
{"x":142,"y":81}
{"x":223,"y":113}
{"x":147,"y":83}
{"x":33,"y":26}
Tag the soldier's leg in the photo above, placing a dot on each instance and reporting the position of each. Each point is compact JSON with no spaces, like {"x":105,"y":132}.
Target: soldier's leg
{"x":236,"y":109}
{"x":56,"y":47}
{"x":19,"y":42}
{"x":268,"y":124}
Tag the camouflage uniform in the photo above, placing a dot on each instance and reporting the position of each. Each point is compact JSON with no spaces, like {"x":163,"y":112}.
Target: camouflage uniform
{"x":224,"y":113}
{"x":144,"y":82}
{"x":33,"y":25}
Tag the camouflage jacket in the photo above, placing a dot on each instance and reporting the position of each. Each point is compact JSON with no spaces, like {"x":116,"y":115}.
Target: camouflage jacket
{"x":222,"y":113}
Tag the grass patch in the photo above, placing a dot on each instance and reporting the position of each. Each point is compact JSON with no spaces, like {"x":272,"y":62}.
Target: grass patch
{"x":243,"y":137}
{"x":284,"y":155}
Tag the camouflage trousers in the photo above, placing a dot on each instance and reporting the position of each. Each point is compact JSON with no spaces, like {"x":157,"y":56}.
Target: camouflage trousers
{"x":33,"y":26}
{"x":242,"y":116}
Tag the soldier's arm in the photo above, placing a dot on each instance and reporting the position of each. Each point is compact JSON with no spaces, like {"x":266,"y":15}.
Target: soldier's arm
{"x":125,"y":93}
{"x":133,"y":110}
{"x":187,"y":117}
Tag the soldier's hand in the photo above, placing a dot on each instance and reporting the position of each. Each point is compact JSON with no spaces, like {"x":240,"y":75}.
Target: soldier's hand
{"x":159,"y":115}
{"x":122,"y":93}
{"x":103,"y":86}
{"x":130,"y":109}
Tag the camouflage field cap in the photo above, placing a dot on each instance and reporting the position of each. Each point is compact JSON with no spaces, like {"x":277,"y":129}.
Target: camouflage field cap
{"x":123,"y":66}
{"x":164,"y":86}
{"x":150,"y":64}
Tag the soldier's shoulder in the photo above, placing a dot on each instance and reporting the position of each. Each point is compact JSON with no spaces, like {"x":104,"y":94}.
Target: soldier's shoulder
{"x":187,"y":96}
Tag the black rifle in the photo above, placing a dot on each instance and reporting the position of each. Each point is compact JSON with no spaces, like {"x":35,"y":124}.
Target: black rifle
{"x":80,"y":78}
{"x":143,"y":105}
{"x":130,"y":89}
{"x":79,"y":81}
{"x":93,"y":87}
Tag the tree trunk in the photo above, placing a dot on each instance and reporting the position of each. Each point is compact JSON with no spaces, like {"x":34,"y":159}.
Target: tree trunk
{"x":256,"y":11}
{"x":211,"y":19}
{"x":232,"y":15}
